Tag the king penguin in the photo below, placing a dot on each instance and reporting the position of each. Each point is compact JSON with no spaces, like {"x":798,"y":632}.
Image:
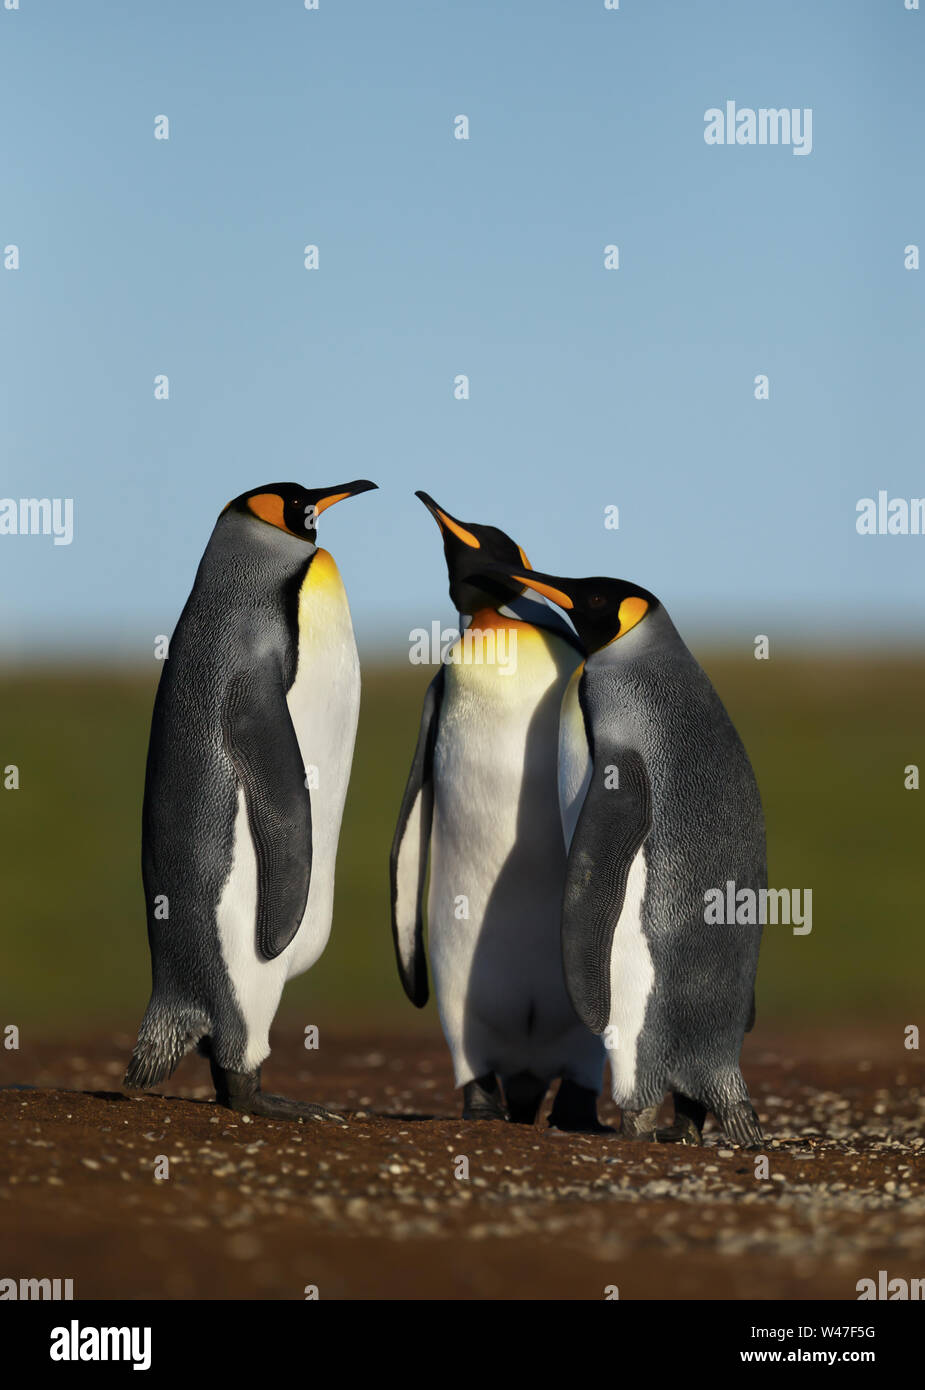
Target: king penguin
{"x":248,"y":762}
{"x":659,"y":805}
{"x":481,"y":799}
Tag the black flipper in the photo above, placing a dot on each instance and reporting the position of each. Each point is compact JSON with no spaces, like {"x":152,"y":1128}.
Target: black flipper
{"x":408,"y":860}
{"x":262,"y":744}
{"x":613,"y":823}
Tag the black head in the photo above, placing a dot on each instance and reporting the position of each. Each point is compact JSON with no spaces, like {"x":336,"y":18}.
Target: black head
{"x":471,"y":548}
{"x":293,"y":508}
{"x":601,"y":609}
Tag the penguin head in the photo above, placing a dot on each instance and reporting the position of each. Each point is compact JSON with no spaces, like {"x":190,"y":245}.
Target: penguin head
{"x":292,"y":508}
{"x":601,"y":610}
{"x":470,"y":549}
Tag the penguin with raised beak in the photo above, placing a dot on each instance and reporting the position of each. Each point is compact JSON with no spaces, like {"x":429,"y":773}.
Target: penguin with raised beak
{"x":481,"y":803}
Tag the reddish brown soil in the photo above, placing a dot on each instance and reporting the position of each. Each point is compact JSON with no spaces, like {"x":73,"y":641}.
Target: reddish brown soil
{"x":373,"y":1209}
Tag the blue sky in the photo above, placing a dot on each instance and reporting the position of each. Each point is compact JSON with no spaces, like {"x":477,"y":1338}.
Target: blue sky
{"x":485,"y":257}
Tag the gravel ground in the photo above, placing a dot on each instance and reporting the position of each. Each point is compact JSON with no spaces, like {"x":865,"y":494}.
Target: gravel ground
{"x":375,"y":1209}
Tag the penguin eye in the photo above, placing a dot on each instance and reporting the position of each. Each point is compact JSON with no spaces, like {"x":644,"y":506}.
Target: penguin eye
{"x":596,"y":601}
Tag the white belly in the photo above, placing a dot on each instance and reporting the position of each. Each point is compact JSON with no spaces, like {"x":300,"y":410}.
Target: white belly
{"x":632,"y":976}
{"x":497,"y":870}
{"x":324,"y":702}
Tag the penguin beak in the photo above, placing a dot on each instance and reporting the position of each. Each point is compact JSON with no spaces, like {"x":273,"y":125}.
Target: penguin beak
{"x":546,"y":584}
{"x":448,"y":524}
{"x":327,"y":496}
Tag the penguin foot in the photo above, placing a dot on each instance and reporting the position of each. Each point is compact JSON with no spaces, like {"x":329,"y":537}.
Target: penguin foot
{"x":280,"y":1108}
{"x":482,"y":1099}
{"x":240,"y":1090}
{"x":524,"y":1095}
{"x":575,"y":1109}
{"x":740,"y":1124}
{"x":683,"y":1131}
{"x":639,"y":1124}
{"x":689,"y":1117}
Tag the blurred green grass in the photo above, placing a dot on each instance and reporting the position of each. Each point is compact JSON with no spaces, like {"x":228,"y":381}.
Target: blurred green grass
{"x":829,"y":737}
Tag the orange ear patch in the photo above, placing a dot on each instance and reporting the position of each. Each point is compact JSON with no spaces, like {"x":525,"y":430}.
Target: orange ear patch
{"x":632,"y":611}
{"x":269,"y":507}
